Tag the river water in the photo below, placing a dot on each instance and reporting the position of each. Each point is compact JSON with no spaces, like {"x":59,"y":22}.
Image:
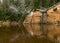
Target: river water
{"x":30,"y":33}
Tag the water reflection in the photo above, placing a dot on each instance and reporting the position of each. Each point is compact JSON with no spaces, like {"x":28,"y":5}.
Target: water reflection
{"x":30,"y":33}
{"x":33,"y":29}
{"x":52,"y":32}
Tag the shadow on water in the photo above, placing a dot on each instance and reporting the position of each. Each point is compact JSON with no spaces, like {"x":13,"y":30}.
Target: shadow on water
{"x":30,"y":33}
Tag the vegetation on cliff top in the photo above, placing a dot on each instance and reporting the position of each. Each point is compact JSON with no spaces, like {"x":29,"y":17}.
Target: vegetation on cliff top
{"x":15,"y":10}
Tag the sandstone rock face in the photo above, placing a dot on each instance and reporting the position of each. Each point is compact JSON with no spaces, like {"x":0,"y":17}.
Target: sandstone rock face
{"x":53,"y":14}
{"x":33,"y":17}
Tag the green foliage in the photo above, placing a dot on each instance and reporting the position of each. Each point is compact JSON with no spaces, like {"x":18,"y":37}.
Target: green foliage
{"x":6,"y":14}
{"x":36,"y":4}
{"x":44,"y":3}
{"x":2,"y":13}
{"x":49,"y":3}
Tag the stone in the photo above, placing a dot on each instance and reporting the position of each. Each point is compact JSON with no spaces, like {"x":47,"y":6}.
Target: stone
{"x":33,"y":17}
{"x":53,"y":13}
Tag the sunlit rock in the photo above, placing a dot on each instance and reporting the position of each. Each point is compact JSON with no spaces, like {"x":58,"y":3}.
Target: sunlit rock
{"x":6,"y":23}
{"x":28,"y":18}
{"x":33,"y":17}
{"x":53,"y":13}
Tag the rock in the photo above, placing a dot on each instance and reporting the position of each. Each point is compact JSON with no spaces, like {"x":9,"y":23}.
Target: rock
{"x":14,"y":23}
{"x":33,"y":17}
{"x":53,"y":13}
{"x":6,"y":23}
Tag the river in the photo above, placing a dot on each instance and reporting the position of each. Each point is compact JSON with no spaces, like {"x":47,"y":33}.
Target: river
{"x":30,"y":33}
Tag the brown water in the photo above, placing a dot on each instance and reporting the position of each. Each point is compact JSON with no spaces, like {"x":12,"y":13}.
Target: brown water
{"x":30,"y":33}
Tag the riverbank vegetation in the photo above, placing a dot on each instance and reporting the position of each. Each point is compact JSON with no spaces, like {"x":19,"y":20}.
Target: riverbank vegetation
{"x":16,"y":10}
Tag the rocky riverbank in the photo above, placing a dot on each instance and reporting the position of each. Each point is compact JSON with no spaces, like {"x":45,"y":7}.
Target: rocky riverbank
{"x":8,"y":23}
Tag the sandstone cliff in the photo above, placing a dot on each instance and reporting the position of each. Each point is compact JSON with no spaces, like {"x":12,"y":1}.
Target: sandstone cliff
{"x":33,"y":17}
{"x":53,"y":14}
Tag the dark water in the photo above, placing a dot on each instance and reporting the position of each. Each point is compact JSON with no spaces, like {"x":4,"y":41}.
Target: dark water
{"x":30,"y":33}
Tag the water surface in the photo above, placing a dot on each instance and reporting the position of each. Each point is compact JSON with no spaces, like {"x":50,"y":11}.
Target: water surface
{"x":30,"y":33}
